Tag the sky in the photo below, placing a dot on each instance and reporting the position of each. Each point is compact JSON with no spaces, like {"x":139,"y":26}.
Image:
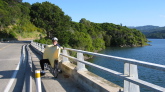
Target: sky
{"x":125,"y":12}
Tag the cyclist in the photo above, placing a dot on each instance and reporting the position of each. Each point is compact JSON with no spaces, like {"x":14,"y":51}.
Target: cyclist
{"x":45,"y":59}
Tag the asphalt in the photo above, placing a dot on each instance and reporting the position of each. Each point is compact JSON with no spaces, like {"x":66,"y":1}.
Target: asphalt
{"x":63,"y":83}
{"x":10,"y":60}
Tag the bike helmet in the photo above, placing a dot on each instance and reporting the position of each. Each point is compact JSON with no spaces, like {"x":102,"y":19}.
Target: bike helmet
{"x":54,"y":39}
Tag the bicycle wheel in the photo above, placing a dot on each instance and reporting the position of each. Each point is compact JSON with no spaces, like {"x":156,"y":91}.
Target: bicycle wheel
{"x":55,"y":70}
{"x":50,"y":69}
{"x":55,"y":73}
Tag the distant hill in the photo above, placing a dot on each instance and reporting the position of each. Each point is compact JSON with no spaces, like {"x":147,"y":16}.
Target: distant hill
{"x":151,"y":31}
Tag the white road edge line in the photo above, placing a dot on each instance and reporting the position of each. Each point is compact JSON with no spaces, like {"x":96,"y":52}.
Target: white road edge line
{"x":14,"y":74}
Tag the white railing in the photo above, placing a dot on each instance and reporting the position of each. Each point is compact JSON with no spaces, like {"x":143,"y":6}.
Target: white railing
{"x":130,"y":76}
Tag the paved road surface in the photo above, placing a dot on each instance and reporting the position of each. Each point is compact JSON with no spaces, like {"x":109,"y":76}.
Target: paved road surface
{"x":10,"y":60}
{"x":10,"y":54}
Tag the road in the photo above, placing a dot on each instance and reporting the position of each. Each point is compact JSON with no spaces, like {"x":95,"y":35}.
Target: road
{"x":14,"y":69}
{"x":11,"y":77}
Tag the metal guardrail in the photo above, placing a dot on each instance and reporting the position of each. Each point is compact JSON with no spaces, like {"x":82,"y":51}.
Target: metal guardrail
{"x":125,"y":60}
{"x":27,"y":86}
{"x":130,"y":76}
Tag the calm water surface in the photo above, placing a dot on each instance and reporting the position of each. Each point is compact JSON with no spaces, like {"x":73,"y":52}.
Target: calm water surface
{"x":153,"y":54}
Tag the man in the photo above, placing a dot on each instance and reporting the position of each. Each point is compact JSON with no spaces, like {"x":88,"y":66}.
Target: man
{"x":50,"y":54}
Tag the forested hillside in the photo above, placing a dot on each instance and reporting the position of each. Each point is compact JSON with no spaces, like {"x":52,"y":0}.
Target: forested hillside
{"x":46,"y":18}
{"x":157,"y":34}
{"x":152,"y":31}
{"x":15,"y":20}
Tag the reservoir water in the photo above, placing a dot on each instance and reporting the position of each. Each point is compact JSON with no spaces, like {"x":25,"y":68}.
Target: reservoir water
{"x":154,"y":54}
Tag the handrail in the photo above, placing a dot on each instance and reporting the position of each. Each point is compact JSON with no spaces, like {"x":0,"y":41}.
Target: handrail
{"x":126,"y":60}
{"x":122,"y":76}
{"x":130,"y":76}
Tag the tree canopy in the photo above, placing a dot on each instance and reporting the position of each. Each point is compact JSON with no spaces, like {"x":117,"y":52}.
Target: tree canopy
{"x":15,"y":20}
{"x":50,"y":20}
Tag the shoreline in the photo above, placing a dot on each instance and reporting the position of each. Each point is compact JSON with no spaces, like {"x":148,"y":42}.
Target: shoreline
{"x":86,"y":57}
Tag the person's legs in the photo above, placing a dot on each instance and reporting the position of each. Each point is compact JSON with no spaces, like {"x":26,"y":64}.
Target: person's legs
{"x":42,"y":61}
{"x":56,"y":64}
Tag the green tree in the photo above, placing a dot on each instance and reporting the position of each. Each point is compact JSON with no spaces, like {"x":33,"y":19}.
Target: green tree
{"x":44,"y":14}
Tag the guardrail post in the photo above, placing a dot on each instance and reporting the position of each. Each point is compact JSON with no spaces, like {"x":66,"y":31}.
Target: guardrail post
{"x":42,"y":47}
{"x":33,"y":44}
{"x":38,"y":81}
{"x":39,"y":47}
{"x":65,"y":59}
{"x":126,"y":72}
{"x":80,"y":66}
{"x":36,"y":45}
{"x":132,"y":71}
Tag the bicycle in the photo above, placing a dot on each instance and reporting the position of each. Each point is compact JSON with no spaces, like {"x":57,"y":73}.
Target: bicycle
{"x":54,"y":70}
{"x":52,"y":53}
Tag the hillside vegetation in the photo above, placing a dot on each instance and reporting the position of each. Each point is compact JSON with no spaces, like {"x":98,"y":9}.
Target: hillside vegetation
{"x":15,"y":20}
{"x":19,"y":18}
{"x":152,"y":31}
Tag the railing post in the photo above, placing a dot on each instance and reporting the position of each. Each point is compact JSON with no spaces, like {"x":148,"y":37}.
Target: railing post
{"x":39,"y":47}
{"x":132,"y":71}
{"x":32,"y":43}
{"x":38,"y":81}
{"x":36,"y":45}
{"x":80,"y":66}
{"x":65,"y":59}
{"x":134,"y":74}
{"x":126,"y":72}
{"x":42,"y":47}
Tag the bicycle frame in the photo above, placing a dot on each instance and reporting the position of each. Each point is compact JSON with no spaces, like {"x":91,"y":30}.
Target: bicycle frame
{"x":52,"y":70}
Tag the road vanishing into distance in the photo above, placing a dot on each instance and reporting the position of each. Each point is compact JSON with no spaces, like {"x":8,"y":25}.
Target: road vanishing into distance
{"x":15,"y":71}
